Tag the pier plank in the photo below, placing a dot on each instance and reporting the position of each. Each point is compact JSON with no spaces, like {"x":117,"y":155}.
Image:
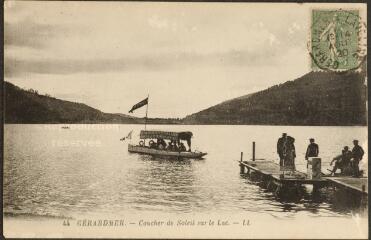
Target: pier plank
{"x":269,"y":168}
{"x":350,"y":182}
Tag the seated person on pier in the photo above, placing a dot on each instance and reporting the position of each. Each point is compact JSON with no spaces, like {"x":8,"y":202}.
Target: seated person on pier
{"x":342,"y":162}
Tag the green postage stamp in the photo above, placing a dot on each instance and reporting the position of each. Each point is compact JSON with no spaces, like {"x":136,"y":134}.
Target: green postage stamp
{"x":337,"y":40}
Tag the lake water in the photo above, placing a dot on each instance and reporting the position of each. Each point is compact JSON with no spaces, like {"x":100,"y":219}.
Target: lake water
{"x":50,"y":171}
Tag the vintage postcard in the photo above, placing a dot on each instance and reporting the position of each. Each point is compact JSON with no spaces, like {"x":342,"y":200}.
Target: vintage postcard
{"x":185,"y":120}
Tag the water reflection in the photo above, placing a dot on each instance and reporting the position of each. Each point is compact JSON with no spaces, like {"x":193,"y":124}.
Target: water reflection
{"x":306,"y":199}
{"x":164,"y":183}
{"x":345,"y":202}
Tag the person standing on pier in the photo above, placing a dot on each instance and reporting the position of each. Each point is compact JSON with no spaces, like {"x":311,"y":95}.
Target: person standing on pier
{"x":289,"y":154}
{"x":280,"y":147}
{"x":312,"y":150}
{"x":357,"y":154}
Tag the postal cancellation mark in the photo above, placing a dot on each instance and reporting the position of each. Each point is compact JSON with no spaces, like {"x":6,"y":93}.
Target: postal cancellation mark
{"x":337,"y":40}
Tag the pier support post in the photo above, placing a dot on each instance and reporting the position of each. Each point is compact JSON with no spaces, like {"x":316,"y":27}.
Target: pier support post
{"x":364,"y":198}
{"x":242,"y":167}
{"x":277,"y":192}
{"x":316,"y":189}
{"x":253,"y":151}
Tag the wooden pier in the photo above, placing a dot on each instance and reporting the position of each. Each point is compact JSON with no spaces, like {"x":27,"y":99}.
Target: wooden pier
{"x":272,"y":176}
{"x":275,"y":178}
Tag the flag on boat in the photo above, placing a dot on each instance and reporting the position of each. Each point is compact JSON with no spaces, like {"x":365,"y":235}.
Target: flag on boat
{"x":139,"y":105}
{"x":128,"y":136}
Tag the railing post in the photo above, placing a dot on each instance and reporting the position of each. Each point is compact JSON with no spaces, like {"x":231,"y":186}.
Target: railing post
{"x":253,"y":151}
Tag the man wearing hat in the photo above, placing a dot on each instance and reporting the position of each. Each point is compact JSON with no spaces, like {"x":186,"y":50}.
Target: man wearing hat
{"x":357,"y":154}
{"x":280,"y":147}
{"x":312,"y":149}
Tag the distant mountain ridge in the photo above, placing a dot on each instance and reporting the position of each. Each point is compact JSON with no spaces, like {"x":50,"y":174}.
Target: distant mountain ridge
{"x":27,"y":106}
{"x":317,"y":98}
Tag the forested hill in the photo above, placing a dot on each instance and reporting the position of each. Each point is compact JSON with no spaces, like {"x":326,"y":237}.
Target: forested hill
{"x":28,"y":106}
{"x":317,"y":98}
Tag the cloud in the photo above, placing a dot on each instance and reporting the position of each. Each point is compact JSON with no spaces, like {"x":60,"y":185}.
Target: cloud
{"x":159,"y":62}
{"x":15,"y":67}
{"x":27,"y":34}
{"x":85,"y":46}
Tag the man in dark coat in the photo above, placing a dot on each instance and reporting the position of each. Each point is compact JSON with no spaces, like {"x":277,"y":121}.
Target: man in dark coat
{"x":280,"y":147}
{"x":312,"y":150}
{"x":289,"y":154}
{"x":357,"y":154}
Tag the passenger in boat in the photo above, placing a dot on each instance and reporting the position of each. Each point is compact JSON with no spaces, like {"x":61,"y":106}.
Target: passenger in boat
{"x":158,"y":143}
{"x":357,"y":155}
{"x":170,"y":147}
{"x":182,"y":147}
{"x":161,"y":144}
{"x":175,"y":147}
{"x":280,"y":144}
{"x":342,"y":161}
{"x":152,"y":144}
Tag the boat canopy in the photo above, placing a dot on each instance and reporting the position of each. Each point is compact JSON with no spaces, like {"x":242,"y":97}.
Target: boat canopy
{"x":166,"y":135}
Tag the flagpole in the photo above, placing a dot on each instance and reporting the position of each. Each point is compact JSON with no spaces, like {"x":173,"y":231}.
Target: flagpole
{"x":145,"y":120}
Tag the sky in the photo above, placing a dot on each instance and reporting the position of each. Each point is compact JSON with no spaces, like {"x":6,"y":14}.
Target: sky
{"x":186,"y":56}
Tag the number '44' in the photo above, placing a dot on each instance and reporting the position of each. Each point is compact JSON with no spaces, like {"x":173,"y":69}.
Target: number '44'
{"x":66,"y":222}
